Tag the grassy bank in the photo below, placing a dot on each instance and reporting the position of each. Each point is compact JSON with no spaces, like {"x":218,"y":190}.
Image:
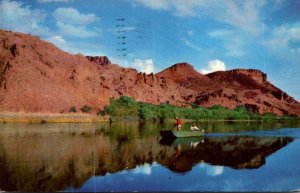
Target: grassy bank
{"x":126,"y":108}
{"x":50,"y":118}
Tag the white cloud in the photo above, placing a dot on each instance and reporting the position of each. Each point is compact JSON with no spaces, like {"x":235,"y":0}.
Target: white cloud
{"x":87,"y":49}
{"x":211,"y":170}
{"x":294,"y":32}
{"x":220,"y":33}
{"x":188,"y":7}
{"x":180,"y":8}
{"x":244,"y":15}
{"x":191,"y":45}
{"x":144,"y":65}
{"x":145,"y":169}
{"x":284,"y":42}
{"x":235,"y":47}
{"x":215,"y":170}
{"x":283,"y":34}
{"x":49,"y":1}
{"x":190,"y":32}
{"x":153,"y":4}
{"x":120,"y":61}
{"x":76,"y":31}
{"x":61,"y":43}
{"x":16,"y":17}
{"x":73,"y":16}
{"x":141,"y":65}
{"x":71,"y":22}
{"x":232,"y":41}
{"x":214,"y":65}
{"x":57,"y":40}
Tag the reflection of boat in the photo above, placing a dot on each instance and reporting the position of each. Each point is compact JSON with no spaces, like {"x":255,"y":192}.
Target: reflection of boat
{"x":181,"y":140}
{"x":175,"y":134}
{"x":188,"y":141}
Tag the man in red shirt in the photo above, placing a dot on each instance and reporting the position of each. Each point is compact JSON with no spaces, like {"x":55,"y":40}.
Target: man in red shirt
{"x":178,"y":123}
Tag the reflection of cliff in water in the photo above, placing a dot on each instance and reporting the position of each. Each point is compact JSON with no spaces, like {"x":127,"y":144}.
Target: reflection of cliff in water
{"x":52,"y":159}
{"x":236,"y":151}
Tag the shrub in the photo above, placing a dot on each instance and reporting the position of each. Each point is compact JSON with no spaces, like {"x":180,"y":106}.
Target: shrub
{"x":268,"y":114}
{"x":217,"y":107}
{"x":127,"y":106}
{"x":86,"y":109}
{"x":73,"y":109}
{"x":127,"y":100}
{"x":194,"y":106}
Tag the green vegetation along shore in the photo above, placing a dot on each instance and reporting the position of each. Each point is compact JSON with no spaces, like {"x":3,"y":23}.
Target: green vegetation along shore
{"x":127,"y":108}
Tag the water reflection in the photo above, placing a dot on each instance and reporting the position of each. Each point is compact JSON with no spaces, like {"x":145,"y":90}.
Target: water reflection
{"x":52,"y":157}
{"x":237,"y":152}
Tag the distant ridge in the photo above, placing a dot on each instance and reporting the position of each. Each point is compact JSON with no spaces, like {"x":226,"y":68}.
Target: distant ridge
{"x":36,"y":76}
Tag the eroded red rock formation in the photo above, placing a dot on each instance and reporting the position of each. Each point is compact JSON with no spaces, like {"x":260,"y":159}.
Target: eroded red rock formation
{"x":101,"y":60}
{"x":36,"y":76}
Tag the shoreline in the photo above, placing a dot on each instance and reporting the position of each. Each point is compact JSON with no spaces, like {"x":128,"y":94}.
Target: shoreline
{"x":21,"y":117}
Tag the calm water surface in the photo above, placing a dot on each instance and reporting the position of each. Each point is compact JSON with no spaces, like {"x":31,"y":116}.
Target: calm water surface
{"x":133,"y":157}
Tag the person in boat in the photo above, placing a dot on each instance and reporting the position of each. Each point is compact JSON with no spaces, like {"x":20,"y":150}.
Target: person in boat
{"x":195,"y":128}
{"x":178,"y":123}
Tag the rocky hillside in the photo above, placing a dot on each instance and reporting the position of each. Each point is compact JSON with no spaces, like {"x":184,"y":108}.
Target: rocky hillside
{"x":36,"y":76}
{"x":250,"y":88}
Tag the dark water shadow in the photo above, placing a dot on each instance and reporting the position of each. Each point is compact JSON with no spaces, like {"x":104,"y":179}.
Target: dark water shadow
{"x":238,"y":152}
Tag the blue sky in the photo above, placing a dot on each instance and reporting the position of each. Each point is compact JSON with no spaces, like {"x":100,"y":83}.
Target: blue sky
{"x":209,"y":34}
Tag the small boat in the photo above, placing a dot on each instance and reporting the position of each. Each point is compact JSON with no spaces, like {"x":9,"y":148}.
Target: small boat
{"x":176,"y":134}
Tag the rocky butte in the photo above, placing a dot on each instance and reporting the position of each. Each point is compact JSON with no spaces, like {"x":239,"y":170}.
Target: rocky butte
{"x":36,"y":76}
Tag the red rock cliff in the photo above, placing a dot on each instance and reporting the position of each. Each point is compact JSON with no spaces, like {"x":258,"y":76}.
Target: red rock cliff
{"x":36,"y":76}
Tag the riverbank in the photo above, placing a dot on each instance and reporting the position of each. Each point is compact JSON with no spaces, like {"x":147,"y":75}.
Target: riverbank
{"x":20,"y":117}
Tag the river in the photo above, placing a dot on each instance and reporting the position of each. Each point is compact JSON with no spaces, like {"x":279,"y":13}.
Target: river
{"x":131,"y":156}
